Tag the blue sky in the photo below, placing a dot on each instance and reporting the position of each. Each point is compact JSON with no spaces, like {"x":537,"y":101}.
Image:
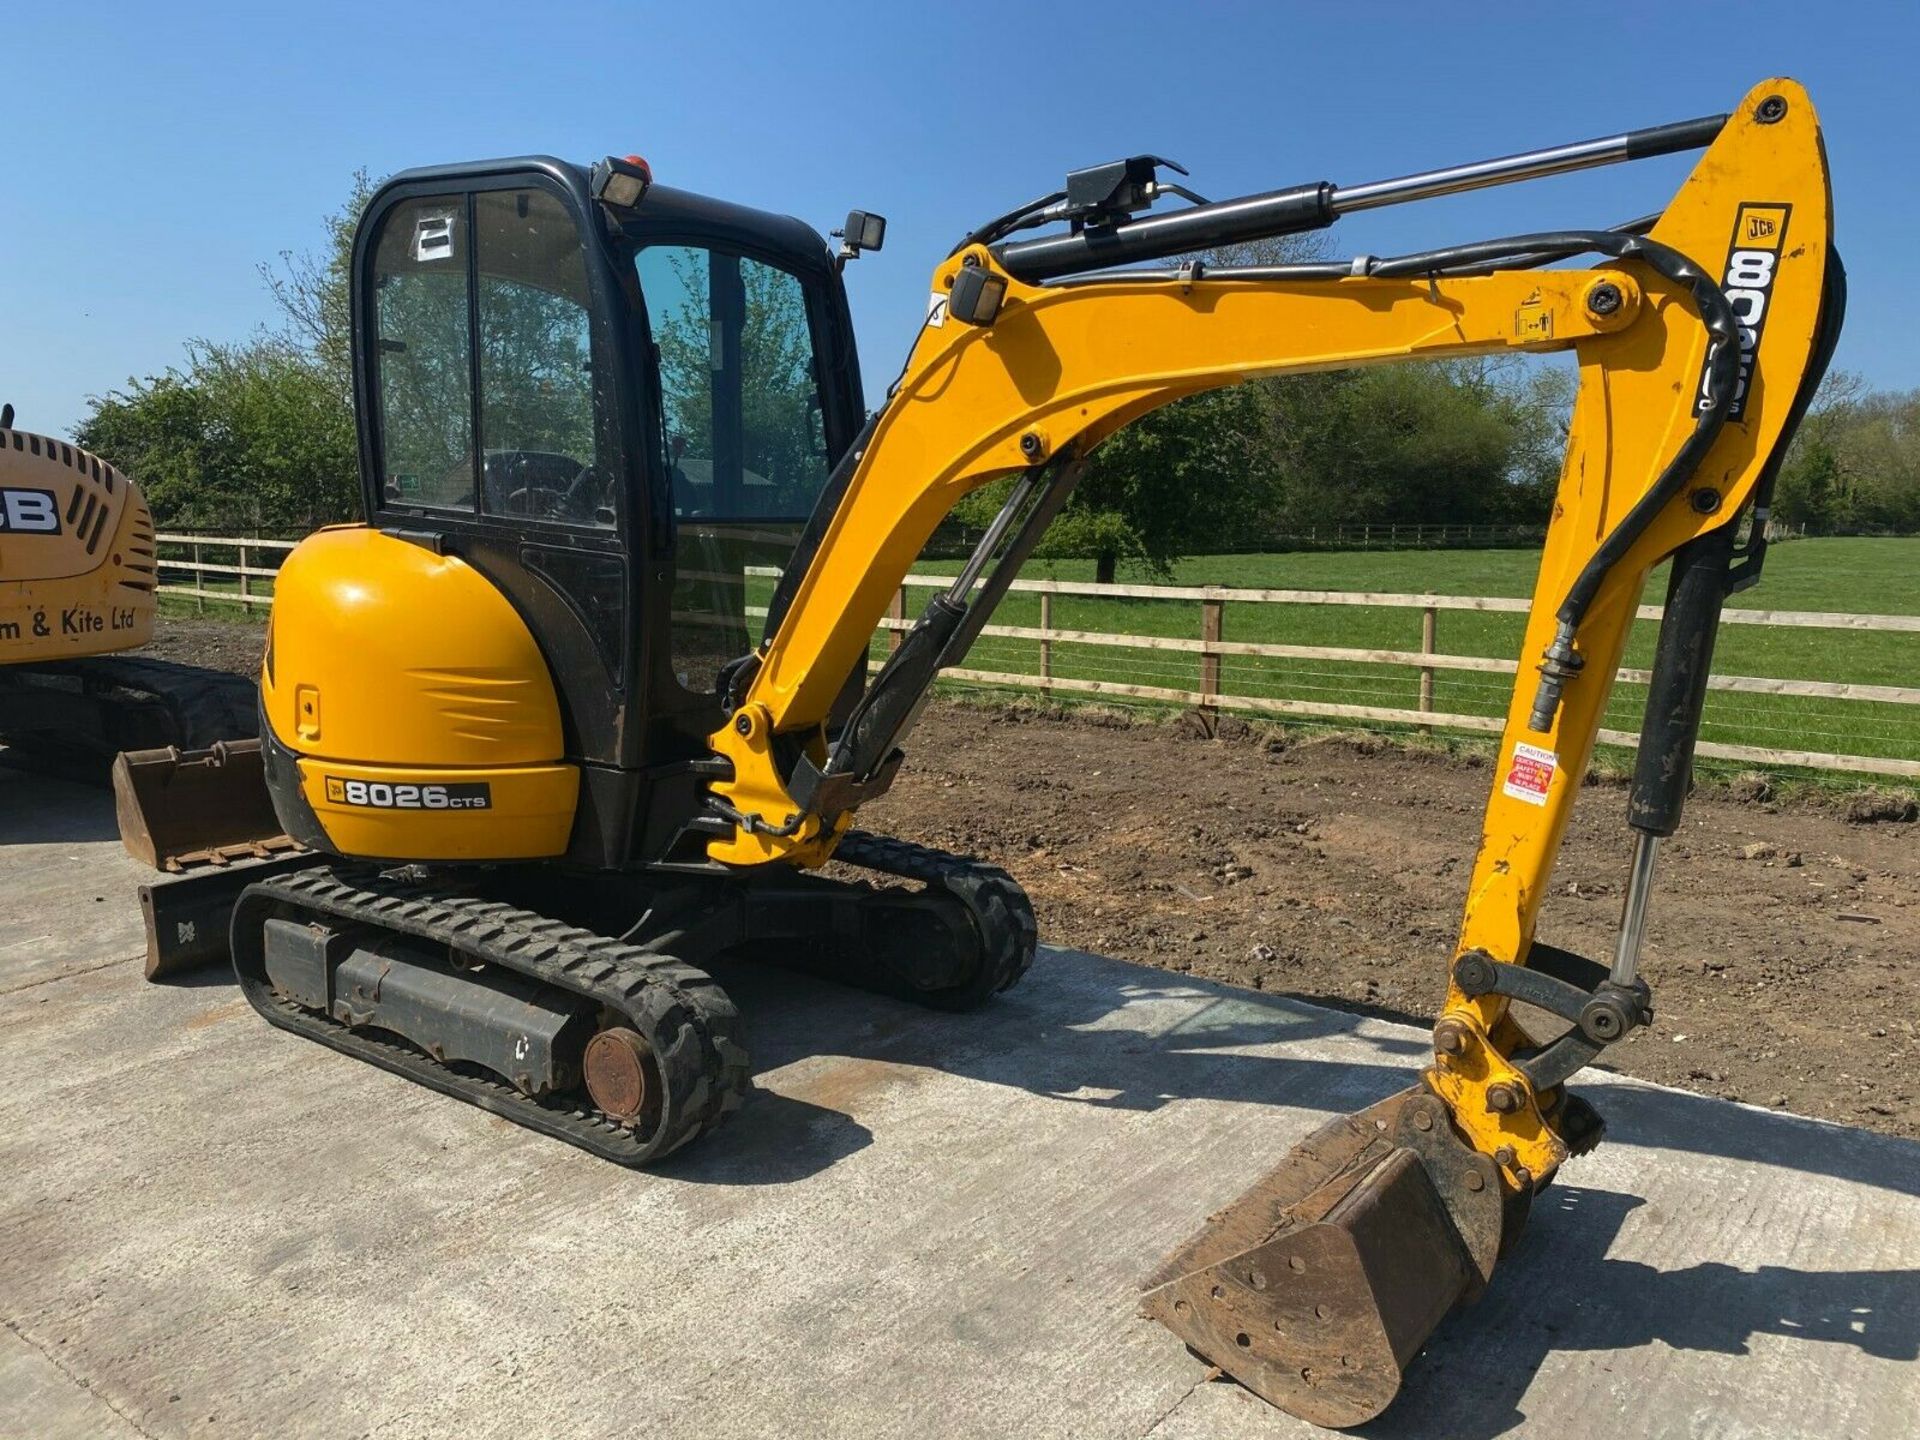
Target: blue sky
{"x":157,"y":154}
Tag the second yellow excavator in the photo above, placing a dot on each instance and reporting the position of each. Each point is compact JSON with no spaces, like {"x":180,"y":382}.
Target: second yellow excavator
{"x":521,"y":711}
{"x":77,"y":591}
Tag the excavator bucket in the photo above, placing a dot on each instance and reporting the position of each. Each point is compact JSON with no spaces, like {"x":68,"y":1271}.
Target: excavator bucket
{"x":179,"y":808}
{"x":1317,"y":1286}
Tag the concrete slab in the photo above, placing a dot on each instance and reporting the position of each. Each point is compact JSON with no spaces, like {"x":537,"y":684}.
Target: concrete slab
{"x":67,"y":881}
{"x":921,"y":1225}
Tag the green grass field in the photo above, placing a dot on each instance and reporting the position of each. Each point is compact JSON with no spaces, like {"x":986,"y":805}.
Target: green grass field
{"x":1878,"y":576}
{"x":1847,"y":575}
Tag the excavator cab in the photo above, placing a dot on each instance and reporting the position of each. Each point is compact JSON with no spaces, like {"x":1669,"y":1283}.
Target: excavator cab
{"x":617,"y":418}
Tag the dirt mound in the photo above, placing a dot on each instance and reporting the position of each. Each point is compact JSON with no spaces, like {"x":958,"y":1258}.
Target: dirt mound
{"x":1871,"y":807}
{"x":1335,"y":869}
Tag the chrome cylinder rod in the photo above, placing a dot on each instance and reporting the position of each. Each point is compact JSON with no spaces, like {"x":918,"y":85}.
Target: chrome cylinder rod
{"x":1633,"y":910}
{"x":963,"y":583}
{"x":1530,"y":164}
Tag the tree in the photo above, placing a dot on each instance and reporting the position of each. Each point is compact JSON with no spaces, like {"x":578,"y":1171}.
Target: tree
{"x":689,"y":294}
{"x":258,"y":433}
{"x":312,"y":289}
{"x":1854,"y":465}
{"x":244,"y":435}
{"x":1178,"y":477}
{"x":1876,"y":484}
{"x":1452,"y":442}
{"x":1172,"y":482}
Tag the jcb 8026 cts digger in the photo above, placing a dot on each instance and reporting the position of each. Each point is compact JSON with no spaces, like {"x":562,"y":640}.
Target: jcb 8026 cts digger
{"x":521,"y":706}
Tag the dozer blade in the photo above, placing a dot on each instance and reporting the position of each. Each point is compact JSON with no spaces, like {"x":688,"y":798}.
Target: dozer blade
{"x":1318,"y":1285}
{"x":178,"y":808}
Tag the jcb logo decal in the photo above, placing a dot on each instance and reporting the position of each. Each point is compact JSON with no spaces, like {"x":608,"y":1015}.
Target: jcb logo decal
{"x":29,"y":512}
{"x":1758,"y":233}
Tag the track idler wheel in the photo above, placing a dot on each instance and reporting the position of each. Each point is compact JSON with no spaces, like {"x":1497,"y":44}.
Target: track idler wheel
{"x":1317,"y":1286}
{"x":621,"y":1073}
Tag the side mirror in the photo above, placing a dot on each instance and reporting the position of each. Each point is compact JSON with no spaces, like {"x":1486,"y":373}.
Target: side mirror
{"x":861,"y":232}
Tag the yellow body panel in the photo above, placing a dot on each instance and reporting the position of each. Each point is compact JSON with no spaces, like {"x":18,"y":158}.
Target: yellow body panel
{"x":1065,"y":366}
{"x":76,"y":553}
{"x":388,"y":663}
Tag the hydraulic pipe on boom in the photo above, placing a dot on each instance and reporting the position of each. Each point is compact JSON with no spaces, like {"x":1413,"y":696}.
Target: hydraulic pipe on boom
{"x":1315,"y":206}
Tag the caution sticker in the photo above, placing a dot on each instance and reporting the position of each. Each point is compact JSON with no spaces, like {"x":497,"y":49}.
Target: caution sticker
{"x":1530,"y":773}
{"x":1533,"y":320}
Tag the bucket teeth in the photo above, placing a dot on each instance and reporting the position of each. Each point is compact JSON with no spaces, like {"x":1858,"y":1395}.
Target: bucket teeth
{"x":1318,"y":1285}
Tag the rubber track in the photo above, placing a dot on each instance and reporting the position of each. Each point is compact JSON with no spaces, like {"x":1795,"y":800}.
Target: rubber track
{"x":688,"y":1018}
{"x":1000,"y":909}
{"x":202,"y":705}
{"x":164,"y":704}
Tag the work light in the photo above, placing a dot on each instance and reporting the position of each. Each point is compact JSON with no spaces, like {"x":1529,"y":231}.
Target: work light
{"x":621,"y":183}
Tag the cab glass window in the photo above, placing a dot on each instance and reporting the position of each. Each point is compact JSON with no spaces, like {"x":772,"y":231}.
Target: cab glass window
{"x":743,"y":429}
{"x":422,"y":367}
{"x":537,"y":410}
{"x":743,"y":422}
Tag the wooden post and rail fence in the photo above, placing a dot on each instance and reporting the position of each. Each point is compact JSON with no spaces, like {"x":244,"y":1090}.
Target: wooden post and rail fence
{"x":186,"y":571}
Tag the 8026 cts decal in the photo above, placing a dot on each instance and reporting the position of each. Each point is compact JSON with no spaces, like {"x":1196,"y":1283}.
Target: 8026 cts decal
{"x":397,"y":795}
{"x":1758,"y":233}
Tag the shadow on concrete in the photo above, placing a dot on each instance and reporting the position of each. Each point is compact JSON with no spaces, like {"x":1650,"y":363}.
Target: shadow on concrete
{"x":40,"y":810}
{"x":774,"y":1140}
{"x":1471,"y":1381}
{"x":1069,"y":1032}
{"x":203,"y":977}
{"x":1678,"y":1120}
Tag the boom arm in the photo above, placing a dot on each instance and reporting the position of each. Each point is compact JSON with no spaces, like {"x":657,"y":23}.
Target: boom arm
{"x":1687,"y":392}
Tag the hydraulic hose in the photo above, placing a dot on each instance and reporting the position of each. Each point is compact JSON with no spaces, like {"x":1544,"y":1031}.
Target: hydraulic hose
{"x":1561,"y":661}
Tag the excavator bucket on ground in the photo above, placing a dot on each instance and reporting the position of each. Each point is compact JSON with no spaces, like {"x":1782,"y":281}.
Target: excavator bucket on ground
{"x":1317,"y":1286}
{"x":180,"y":808}
{"x":205,"y":820}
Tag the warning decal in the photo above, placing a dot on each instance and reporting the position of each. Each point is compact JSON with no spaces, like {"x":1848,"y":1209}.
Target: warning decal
{"x":1530,"y":773}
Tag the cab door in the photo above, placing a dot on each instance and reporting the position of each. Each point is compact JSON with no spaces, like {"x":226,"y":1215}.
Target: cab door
{"x":755,"y":407}
{"x":499,"y":422}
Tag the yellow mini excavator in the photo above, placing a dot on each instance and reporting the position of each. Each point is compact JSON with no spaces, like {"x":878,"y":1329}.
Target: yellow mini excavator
{"x":77,"y":578}
{"x":603,"y":423}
